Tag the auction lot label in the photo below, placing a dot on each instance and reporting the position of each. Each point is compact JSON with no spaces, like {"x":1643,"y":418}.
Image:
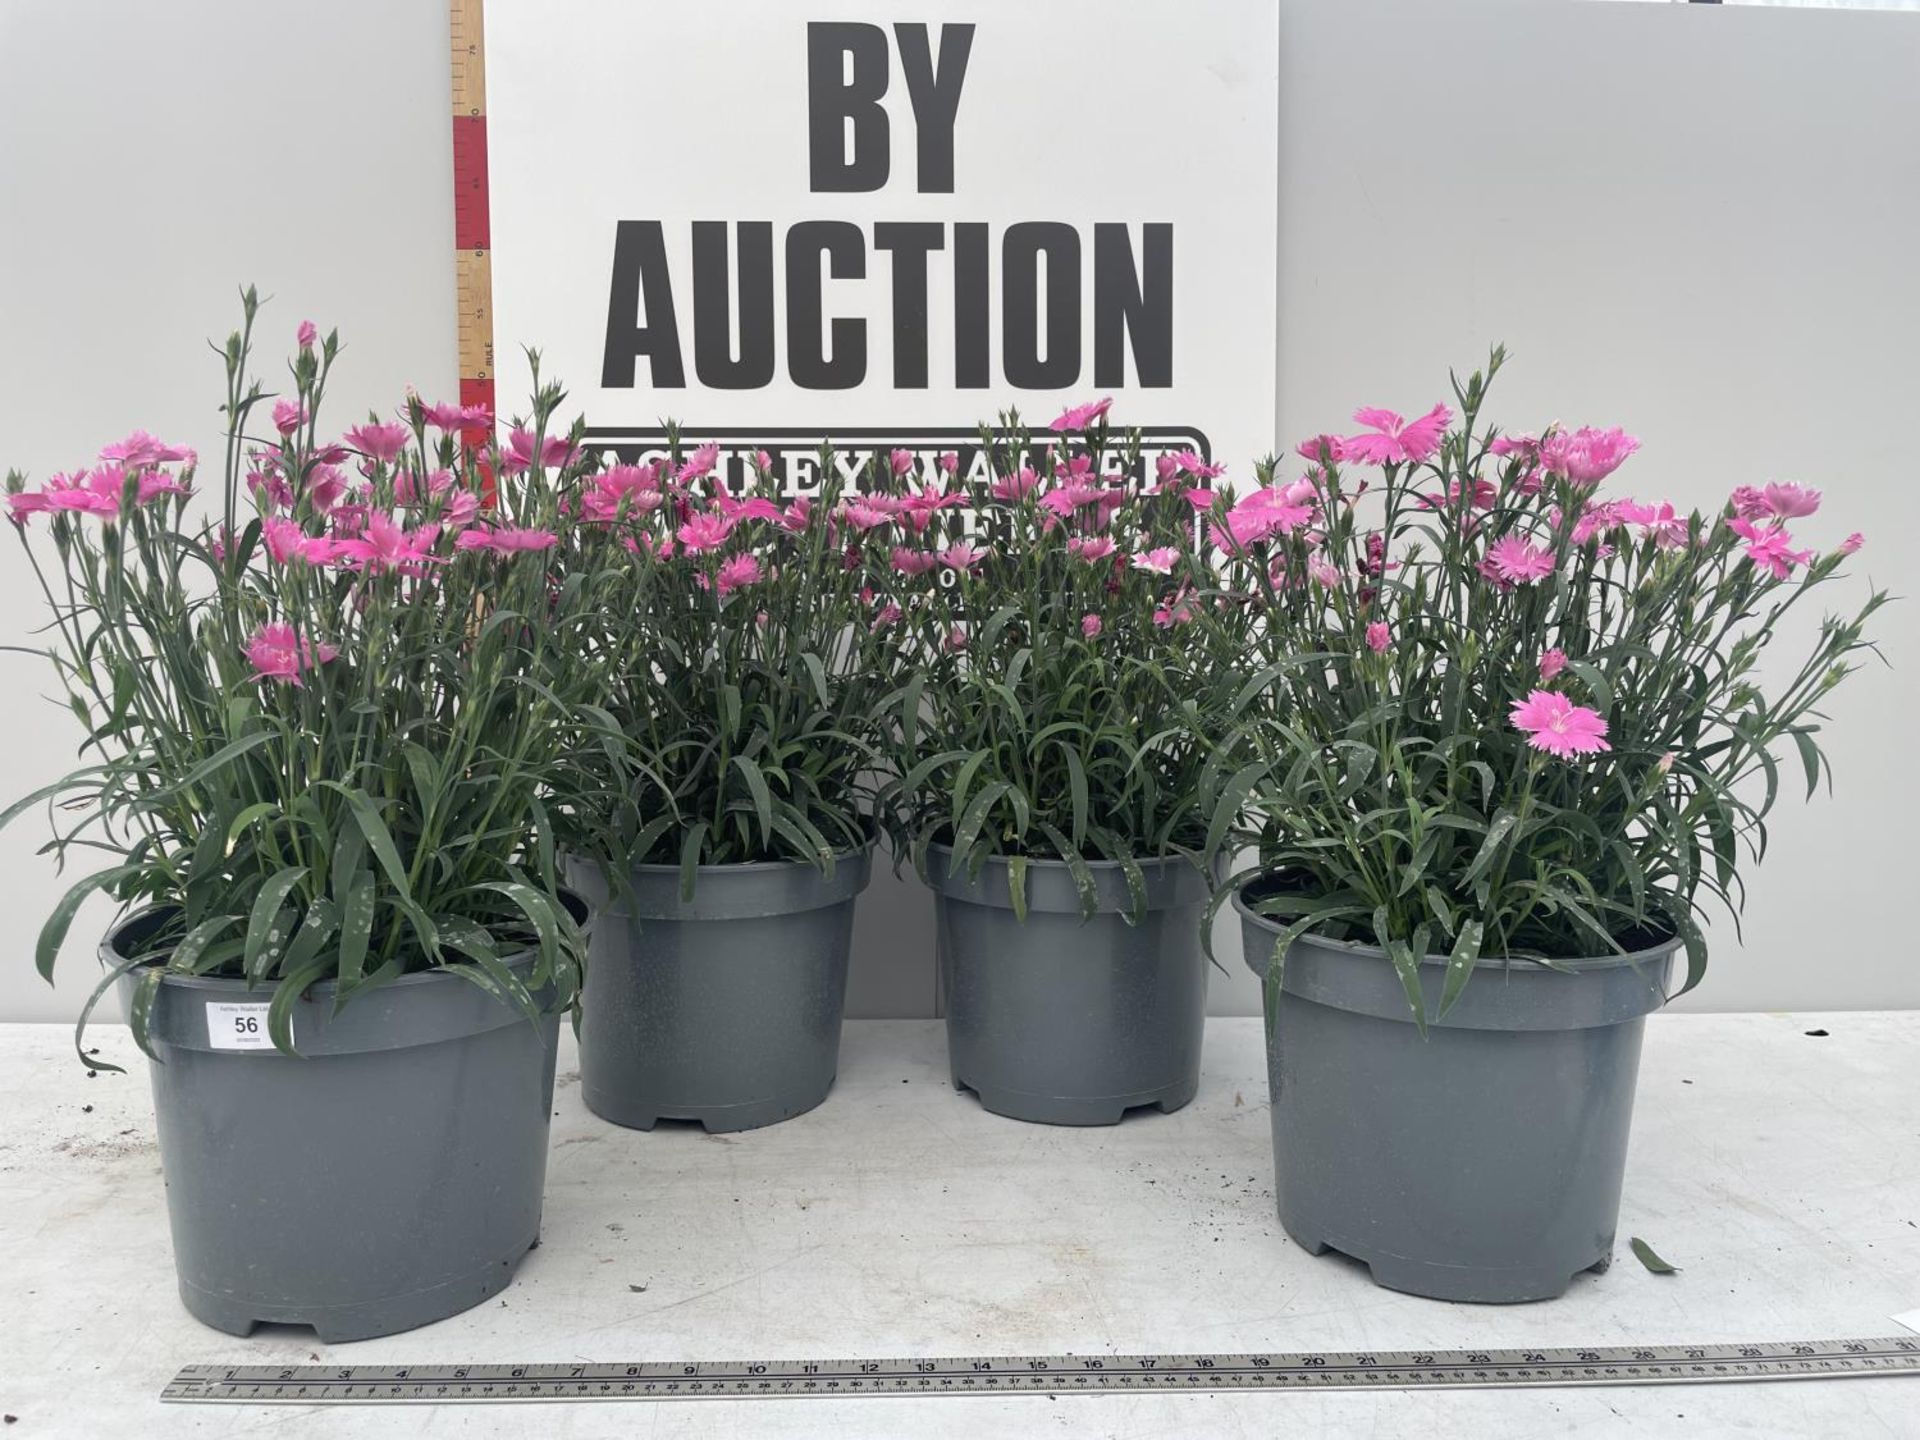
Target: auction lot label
{"x":779,"y":222}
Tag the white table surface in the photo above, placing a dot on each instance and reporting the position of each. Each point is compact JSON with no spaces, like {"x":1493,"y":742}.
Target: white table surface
{"x":1780,"y":1170}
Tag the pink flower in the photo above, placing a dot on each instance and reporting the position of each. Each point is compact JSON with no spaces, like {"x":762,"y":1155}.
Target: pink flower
{"x":1396,"y":439}
{"x":947,"y":462}
{"x":1182,"y":467}
{"x":1322,"y":449}
{"x":1480,"y":497}
{"x":866,"y":515}
{"x":140,"y":449}
{"x":957,"y":638}
{"x":1748,"y":503}
{"x":1379,"y":637}
{"x":1091,"y":550}
{"x":1158,"y":561}
{"x":1323,"y":570}
{"x":1091,"y":626}
{"x":460,"y":510}
{"x":1177,"y":610}
{"x":408,"y":490}
{"x":887,"y":615}
{"x":379,"y":443}
{"x":1553,"y":723}
{"x":384,"y":544}
{"x":919,"y":507}
{"x":762,"y":461}
{"x":737,"y":571}
{"x":306,"y":335}
{"x":1280,"y":509}
{"x":1015,"y":487}
{"x":1769,"y":549}
{"x":1552,"y":662}
{"x":1668,"y":529}
{"x":962,"y":557}
{"x":1852,"y":543}
{"x":1525,"y":446}
{"x":900,"y":461}
{"x":1070,"y":496}
{"x":1790,"y":501}
{"x":698,"y":464}
{"x":276,"y":653}
{"x":555,"y":451}
{"x":506,"y":539}
{"x":325,"y":485}
{"x":284,"y":538}
{"x":797,"y":516}
{"x":1586,"y":456}
{"x":1597,"y":520}
{"x":1519,"y":562}
{"x":756,"y":507}
{"x":1079,"y":417}
{"x":621,"y":490}
{"x":913,"y":562}
{"x":288,"y":416}
{"x":705,"y":531}
{"x":466,"y":419}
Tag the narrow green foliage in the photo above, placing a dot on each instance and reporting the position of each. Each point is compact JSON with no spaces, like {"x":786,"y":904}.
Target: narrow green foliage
{"x":1515,"y":715}
{"x":319,"y":699}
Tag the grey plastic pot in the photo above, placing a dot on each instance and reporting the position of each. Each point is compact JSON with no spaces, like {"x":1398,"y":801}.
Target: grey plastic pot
{"x":724,"y":1008}
{"x":1065,"y":1021}
{"x":387,"y":1176}
{"x":1481,"y":1162}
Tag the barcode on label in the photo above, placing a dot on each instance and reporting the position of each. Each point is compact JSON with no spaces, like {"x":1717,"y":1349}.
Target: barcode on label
{"x":237,"y":1027}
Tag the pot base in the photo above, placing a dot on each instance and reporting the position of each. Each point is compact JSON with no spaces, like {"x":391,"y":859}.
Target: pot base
{"x":1471,"y":1284}
{"x":623,"y":1110}
{"x":341,"y":1324}
{"x":1077,"y":1109}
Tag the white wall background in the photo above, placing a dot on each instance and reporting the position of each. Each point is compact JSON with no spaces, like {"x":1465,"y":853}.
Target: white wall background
{"x":1696,"y":221}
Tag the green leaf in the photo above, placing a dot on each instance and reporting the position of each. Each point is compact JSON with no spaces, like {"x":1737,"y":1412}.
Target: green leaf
{"x":762,"y":799}
{"x":1490,"y":847}
{"x":1466,"y":950}
{"x":1083,"y":882}
{"x":1406,"y":965}
{"x":378,"y":837}
{"x":1077,"y":784}
{"x":316,"y":928}
{"x":690,"y":844}
{"x":53,"y":934}
{"x":1017,"y":886}
{"x":976,"y":816}
{"x":258,"y":810}
{"x":289,"y":990}
{"x":1233,"y":799}
{"x":356,"y":929}
{"x":222,"y":758}
{"x":1644,"y":1253}
{"x":187,"y":954}
{"x":1809,"y":759}
{"x":45,"y":792}
{"x":269,"y":924}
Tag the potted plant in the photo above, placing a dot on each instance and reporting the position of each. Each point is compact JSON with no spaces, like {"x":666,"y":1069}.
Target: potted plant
{"x":742,"y":654}
{"x":1049,"y":775}
{"x":313,"y":754}
{"x":1521,"y":735}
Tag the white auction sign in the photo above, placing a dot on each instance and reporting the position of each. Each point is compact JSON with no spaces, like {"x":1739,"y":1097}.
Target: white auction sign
{"x":778,"y":222}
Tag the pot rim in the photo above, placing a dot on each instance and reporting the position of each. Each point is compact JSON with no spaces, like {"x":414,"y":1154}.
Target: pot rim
{"x":742,"y":867}
{"x":433,"y":973}
{"x":1035,"y":862}
{"x":1359,"y":950}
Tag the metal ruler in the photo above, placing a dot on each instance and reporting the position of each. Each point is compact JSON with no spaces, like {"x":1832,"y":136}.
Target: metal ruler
{"x":1043,"y":1374}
